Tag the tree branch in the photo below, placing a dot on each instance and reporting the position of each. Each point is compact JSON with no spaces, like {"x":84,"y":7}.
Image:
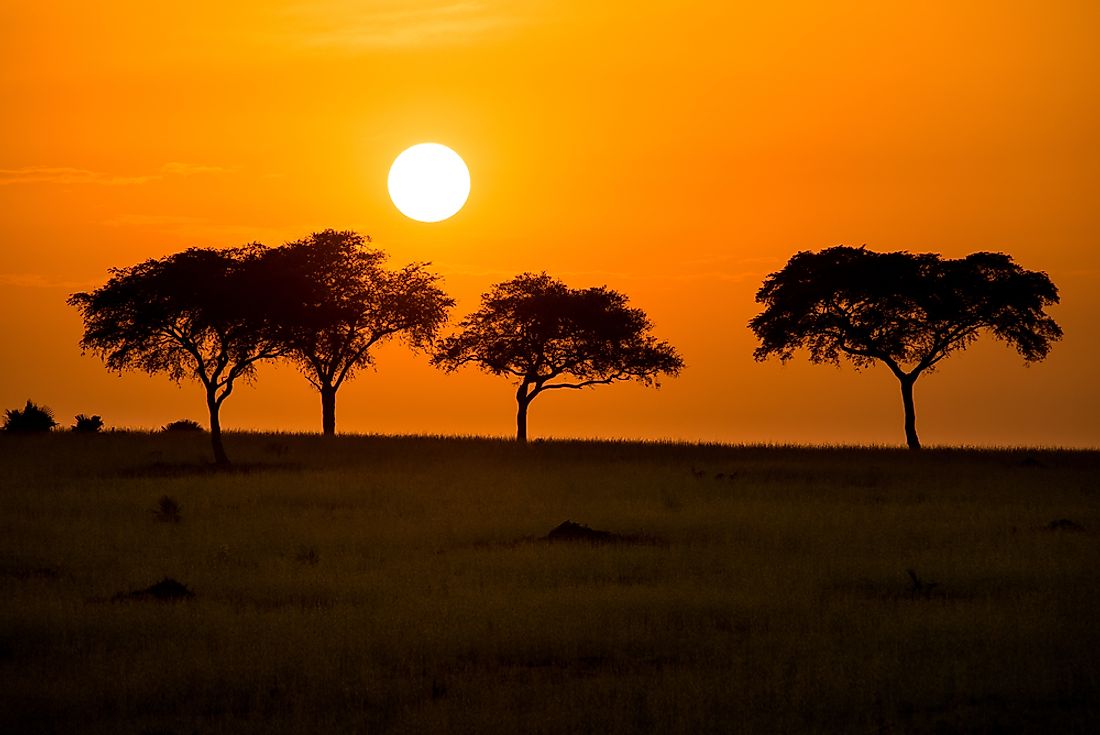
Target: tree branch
{"x":586,"y":383}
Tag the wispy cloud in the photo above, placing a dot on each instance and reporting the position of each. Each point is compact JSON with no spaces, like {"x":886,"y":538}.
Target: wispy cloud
{"x":176,"y":168}
{"x":153,"y":220}
{"x":68,"y":175}
{"x":355,"y":25}
{"x":37,"y":280}
{"x":65,"y":175}
{"x":198,"y":230}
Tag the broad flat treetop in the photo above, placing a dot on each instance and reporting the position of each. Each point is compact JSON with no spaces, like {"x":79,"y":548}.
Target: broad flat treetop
{"x":907,"y":310}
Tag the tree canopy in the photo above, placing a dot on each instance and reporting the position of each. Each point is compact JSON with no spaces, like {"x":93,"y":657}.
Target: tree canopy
{"x":908,"y":311}
{"x":201,"y":313}
{"x":548,"y":336}
{"x":338,"y":300}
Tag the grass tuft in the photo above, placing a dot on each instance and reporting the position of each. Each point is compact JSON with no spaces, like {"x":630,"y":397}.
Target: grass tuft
{"x":167,"y":510}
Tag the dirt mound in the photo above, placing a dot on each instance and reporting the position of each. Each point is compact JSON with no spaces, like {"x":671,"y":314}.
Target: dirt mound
{"x":570,"y":532}
{"x":166,"y":590}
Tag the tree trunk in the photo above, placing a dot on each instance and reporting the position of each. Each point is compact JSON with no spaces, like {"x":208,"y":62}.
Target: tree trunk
{"x":220,"y":457}
{"x":328,"y":410}
{"x":910,"y":413}
{"x":523,"y":400}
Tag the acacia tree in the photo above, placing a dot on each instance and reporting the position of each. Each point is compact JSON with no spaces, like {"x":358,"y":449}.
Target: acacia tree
{"x":338,"y":300}
{"x":548,"y":336}
{"x":201,"y":314}
{"x":908,"y":311}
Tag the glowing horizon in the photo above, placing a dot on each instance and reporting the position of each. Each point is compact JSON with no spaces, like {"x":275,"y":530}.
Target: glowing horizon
{"x":677,"y":157}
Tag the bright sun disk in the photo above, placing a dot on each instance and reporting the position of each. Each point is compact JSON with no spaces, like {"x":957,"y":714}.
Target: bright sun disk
{"x":429,"y":182}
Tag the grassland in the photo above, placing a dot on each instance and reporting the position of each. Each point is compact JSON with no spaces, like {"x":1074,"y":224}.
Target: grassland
{"x":371,"y":584}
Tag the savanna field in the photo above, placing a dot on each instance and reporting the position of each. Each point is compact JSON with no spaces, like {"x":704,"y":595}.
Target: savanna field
{"x":402,"y":585}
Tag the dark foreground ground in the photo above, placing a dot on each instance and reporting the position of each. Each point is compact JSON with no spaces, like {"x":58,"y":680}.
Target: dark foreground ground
{"x":400,"y":585}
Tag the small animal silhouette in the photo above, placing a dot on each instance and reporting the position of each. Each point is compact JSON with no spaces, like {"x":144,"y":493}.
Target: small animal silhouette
{"x":697,"y":474}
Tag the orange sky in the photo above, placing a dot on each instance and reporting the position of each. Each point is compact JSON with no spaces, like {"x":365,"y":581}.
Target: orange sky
{"x":677,"y":152}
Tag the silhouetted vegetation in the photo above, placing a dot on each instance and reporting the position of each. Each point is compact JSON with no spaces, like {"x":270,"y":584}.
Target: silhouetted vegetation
{"x":183,"y":426}
{"x":167,"y":510}
{"x":548,"y":336}
{"x":307,"y":555}
{"x":87,"y":424}
{"x":337,"y":301}
{"x":31,"y":418}
{"x":908,"y":311}
{"x":323,"y":302}
{"x":202,"y":314}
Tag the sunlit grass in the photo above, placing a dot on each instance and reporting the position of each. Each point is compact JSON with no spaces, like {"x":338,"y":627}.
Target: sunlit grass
{"x":371,"y":584}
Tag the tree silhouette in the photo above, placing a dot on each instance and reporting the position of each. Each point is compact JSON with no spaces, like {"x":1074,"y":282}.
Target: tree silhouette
{"x":201,"y":313}
{"x":908,"y":311}
{"x":548,"y":336}
{"x":338,"y":301}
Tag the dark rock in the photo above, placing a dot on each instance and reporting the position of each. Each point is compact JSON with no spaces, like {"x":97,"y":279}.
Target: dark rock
{"x":1064,"y":524}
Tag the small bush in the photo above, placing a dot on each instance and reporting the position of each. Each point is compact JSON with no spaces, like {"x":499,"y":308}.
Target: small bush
{"x":183,"y":425}
{"x":307,"y":555}
{"x":32,"y":418}
{"x":88,"y":424}
{"x":167,"y":510}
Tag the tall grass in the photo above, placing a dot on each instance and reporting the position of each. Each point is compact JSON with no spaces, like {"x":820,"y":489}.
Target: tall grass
{"x":373,"y":584}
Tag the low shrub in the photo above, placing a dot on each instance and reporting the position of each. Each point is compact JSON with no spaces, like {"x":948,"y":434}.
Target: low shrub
{"x":88,"y":424}
{"x":167,"y":510}
{"x":31,"y":418}
{"x":183,"y":425}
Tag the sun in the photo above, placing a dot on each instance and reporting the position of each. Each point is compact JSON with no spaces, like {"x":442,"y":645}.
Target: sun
{"x":429,"y":182}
